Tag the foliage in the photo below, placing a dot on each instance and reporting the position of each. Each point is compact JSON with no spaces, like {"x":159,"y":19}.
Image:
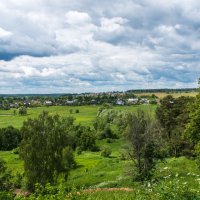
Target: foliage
{"x":197,"y":152}
{"x":173,"y":115}
{"x":9,"y":138}
{"x":106,"y":151}
{"x":143,"y":148}
{"x":193,"y":127}
{"x":68,"y":158}
{"x":87,"y":139}
{"x":107,"y":133}
{"x":43,"y":148}
{"x":22,"y":110}
{"x":5,"y":177}
{"x":6,"y":196}
{"x":77,"y":111}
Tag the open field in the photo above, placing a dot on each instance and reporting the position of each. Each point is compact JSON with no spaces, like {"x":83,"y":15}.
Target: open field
{"x":85,"y":116}
{"x":95,"y":172}
{"x":161,"y":95}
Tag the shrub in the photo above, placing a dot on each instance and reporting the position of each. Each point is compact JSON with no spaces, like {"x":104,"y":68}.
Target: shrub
{"x":78,"y":150}
{"x":87,"y":140}
{"x":6,"y":196}
{"x":107,"y":133}
{"x":106,"y":151}
{"x":77,"y":111}
{"x":9,"y":138}
{"x":123,"y":155}
{"x":22,"y":111}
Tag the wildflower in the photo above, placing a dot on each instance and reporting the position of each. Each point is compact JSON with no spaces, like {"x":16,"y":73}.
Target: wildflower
{"x":166,"y":168}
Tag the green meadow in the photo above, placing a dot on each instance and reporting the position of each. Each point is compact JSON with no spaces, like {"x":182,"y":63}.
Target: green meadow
{"x":173,"y":176}
{"x":85,"y":116}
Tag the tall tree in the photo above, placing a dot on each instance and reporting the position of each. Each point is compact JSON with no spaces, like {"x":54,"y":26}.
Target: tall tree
{"x":173,"y":115}
{"x":193,"y":127}
{"x":143,"y":148}
{"x":43,"y":148}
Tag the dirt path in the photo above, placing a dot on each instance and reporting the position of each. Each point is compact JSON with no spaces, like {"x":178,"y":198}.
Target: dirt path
{"x":108,"y":189}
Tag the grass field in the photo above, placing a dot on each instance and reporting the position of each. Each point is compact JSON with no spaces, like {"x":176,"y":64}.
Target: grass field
{"x":172,"y":176}
{"x":161,"y":95}
{"x":85,"y":116}
{"x":94,"y":171}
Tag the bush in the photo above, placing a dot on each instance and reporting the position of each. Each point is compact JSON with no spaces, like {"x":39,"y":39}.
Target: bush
{"x":197,"y":151}
{"x":78,"y":151}
{"x":68,"y":158}
{"x":9,"y":138}
{"x":6,"y":196}
{"x":5,"y":176}
{"x":109,"y":140}
{"x":106,"y":151}
{"x":87,"y":140}
{"x":107,"y":133}
{"x":22,"y":111}
{"x":77,"y":111}
{"x":123,"y":155}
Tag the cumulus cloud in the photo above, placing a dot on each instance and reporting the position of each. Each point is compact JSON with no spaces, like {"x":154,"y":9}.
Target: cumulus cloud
{"x":63,"y":46}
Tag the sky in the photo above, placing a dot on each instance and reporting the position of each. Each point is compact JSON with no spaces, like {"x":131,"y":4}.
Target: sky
{"x":65,"y":46}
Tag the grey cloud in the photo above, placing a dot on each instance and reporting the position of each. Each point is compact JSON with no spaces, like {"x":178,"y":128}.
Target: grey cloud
{"x":90,"y":45}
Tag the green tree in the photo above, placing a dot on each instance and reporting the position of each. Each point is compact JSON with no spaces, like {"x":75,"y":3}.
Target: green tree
{"x":193,"y":127}
{"x":106,"y":151}
{"x":22,"y":110}
{"x":87,"y":139}
{"x":42,"y":148}
{"x":9,"y":138}
{"x":142,"y":132}
{"x":5,"y":176}
{"x":173,"y":115}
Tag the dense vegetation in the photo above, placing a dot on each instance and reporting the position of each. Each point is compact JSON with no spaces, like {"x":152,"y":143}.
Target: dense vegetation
{"x":124,"y":152}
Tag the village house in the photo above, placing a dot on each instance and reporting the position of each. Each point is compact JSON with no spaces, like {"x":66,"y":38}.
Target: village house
{"x":132,"y":100}
{"x":48,"y":103}
{"x":119,"y":102}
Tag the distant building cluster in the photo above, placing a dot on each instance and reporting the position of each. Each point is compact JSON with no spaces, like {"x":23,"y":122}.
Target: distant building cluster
{"x":113,"y":98}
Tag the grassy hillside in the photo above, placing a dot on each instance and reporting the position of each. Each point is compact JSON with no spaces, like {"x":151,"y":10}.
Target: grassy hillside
{"x":174,"y":178}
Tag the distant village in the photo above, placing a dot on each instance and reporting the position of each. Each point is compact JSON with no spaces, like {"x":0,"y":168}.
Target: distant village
{"x":113,"y":98}
{"x":130,"y":97}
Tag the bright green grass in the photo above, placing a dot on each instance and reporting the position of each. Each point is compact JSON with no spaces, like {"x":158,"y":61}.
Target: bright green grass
{"x":185,"y":170}
{"x":13,"y":162}
{"x":105,"y":195}
{"x":95,"y":171}
{"x":86,"y":115}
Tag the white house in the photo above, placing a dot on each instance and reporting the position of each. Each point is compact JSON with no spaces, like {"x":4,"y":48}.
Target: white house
{"x":120,"y":102}
{"x":133,"y":100}
{"x":48,"y":103}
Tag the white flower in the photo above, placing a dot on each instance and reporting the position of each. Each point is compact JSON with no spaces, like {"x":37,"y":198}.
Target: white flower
{"x":166,"y":168}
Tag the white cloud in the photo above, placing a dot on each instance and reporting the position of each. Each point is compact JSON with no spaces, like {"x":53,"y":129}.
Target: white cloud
{"x":65,"y":46}
{"x":4,"y":33}
{"x":77,"y":18}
